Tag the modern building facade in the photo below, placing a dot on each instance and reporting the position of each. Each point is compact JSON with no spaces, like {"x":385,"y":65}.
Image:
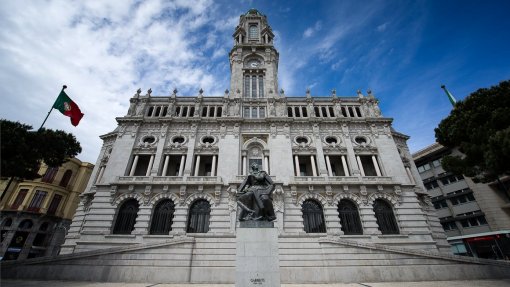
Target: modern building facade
{"x":475,"y":216}
{"x":36,"y":214}
{"x":161,"y":205}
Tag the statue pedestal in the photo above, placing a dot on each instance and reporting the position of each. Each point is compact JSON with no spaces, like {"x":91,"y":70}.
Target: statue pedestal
{"x":257,"y":261}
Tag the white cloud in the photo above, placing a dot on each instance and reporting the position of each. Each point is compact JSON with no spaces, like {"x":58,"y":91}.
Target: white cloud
{"x":104,"y":51}
{"x":382,"y":27}
{"x":312,"y":30}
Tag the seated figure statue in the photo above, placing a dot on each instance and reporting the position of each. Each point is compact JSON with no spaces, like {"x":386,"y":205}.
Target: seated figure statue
{"x":254,"y":196}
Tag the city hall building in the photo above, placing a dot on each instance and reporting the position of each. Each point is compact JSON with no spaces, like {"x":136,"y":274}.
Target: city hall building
{"x":161,"y":205}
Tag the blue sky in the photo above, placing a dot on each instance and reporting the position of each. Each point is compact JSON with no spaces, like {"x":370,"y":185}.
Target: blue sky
{"x":105,"y":50}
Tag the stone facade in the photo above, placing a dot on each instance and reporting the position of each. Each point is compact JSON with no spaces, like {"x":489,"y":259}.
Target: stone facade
{"x":161,"y":206}
{"x":323,"y":149}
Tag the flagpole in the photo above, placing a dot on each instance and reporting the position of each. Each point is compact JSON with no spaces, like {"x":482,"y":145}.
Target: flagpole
{"x":63,"y":88}
{"x":449,"y":95}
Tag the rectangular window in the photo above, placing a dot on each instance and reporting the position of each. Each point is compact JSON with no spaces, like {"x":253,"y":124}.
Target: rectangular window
{"x":262,"y":112}
{"x":55,"y":202}
{"x":142,"y":165}
{"x":253,"y":113}
{"x":254,"y":87}
{"x":246,"y":112}
{"x":368,"y":165}
{"x":19,"y":198}
{"x":37,"y":200}
{"x":261,"y":86}
{"x":246,"y":86}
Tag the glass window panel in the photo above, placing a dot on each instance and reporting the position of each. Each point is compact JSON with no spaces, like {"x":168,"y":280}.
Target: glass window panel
{"x":261,"y":86}
{"x":262,"y":112}
{"x":253,"y":87}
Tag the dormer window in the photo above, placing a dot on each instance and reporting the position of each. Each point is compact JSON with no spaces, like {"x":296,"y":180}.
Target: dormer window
{"x":253,"y":32}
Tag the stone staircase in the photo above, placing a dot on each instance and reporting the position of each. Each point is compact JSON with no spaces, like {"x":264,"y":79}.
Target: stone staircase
{"x":211,"y":259}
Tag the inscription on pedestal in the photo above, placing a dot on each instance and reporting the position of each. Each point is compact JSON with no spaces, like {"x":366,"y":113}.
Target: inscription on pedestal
{"x":257,"y":262}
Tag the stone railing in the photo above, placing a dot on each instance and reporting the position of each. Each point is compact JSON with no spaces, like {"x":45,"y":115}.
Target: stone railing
{"x":129,"y":247}
{"x":376,"y":179}
{"x":424,"y":253}
{"x":213,"y":179}
{"x":168,"y":179}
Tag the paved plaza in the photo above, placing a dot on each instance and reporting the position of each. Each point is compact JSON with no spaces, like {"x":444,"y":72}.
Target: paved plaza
{"x":457,"y":283}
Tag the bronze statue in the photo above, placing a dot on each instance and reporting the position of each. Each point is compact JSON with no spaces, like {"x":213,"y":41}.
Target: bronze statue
{"x":254,"y":196}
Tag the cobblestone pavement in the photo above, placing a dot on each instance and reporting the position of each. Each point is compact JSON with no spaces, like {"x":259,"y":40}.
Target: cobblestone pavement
{"x":474,"y":283}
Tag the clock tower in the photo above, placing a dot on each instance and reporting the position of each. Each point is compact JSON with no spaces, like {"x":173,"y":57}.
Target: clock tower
{"x":253,"y":59}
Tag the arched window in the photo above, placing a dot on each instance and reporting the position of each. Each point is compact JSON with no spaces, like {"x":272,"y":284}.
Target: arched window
{"x":126,"y":217}
{"x":7,"y":222}
{"x":253,"y":32}
{"x":198,"y":218}
{"x":50,"y":174}
{"x":385,"y":217}
{"x":26,"y":224}
{"x":313,"y":217}
{"x":349,"y":217}
{"x":65,"y":178}
{"x":162,"y":217}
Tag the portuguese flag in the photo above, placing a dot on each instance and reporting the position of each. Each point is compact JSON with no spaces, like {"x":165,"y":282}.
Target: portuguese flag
{"x":67,"y":107}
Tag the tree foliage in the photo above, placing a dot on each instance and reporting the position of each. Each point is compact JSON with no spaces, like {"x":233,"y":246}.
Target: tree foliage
{"x":23,"y":150}
{"x":479,"y":126}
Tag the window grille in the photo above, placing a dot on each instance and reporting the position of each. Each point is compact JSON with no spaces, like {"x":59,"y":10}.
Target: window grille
{"x":198,"y":218}
{"x":349,"y":217}
{"x":313,"y":217}
{"x":385,"y":217}
{"x":162,"y":217}
{"x":126,"y":217}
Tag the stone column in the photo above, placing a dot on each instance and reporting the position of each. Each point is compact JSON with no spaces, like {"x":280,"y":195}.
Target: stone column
{"x":360,"y":166}
{"x":213,"y":168}
{"x":142,"y":220}
{"x":296,"y":162}
{"x":328,"y":165}
{"x":151,"y":162}
{"x":376,"y":165}
{"x":344,"y":165}
{"x":197,"y":165}
{"x":133,"y":166}
{"x":266,"y":162}
{"x":410,"y":175}
{"x":100,"y":175}
{"x":181,"y":166}
{"x":243,"y":168}
{"x":369,"y":222}
{"x":314,"y":168}
{"x":165,"y":165}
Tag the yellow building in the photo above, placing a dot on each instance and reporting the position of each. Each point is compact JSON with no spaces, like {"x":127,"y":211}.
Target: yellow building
{"x":37,"y":213}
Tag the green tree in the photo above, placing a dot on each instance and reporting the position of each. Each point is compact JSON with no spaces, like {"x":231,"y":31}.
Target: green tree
{"x":23,"y":150}
{"x":479,"y":126}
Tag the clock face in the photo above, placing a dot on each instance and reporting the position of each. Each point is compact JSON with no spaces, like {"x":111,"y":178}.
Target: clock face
{"x":254,"y":64}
